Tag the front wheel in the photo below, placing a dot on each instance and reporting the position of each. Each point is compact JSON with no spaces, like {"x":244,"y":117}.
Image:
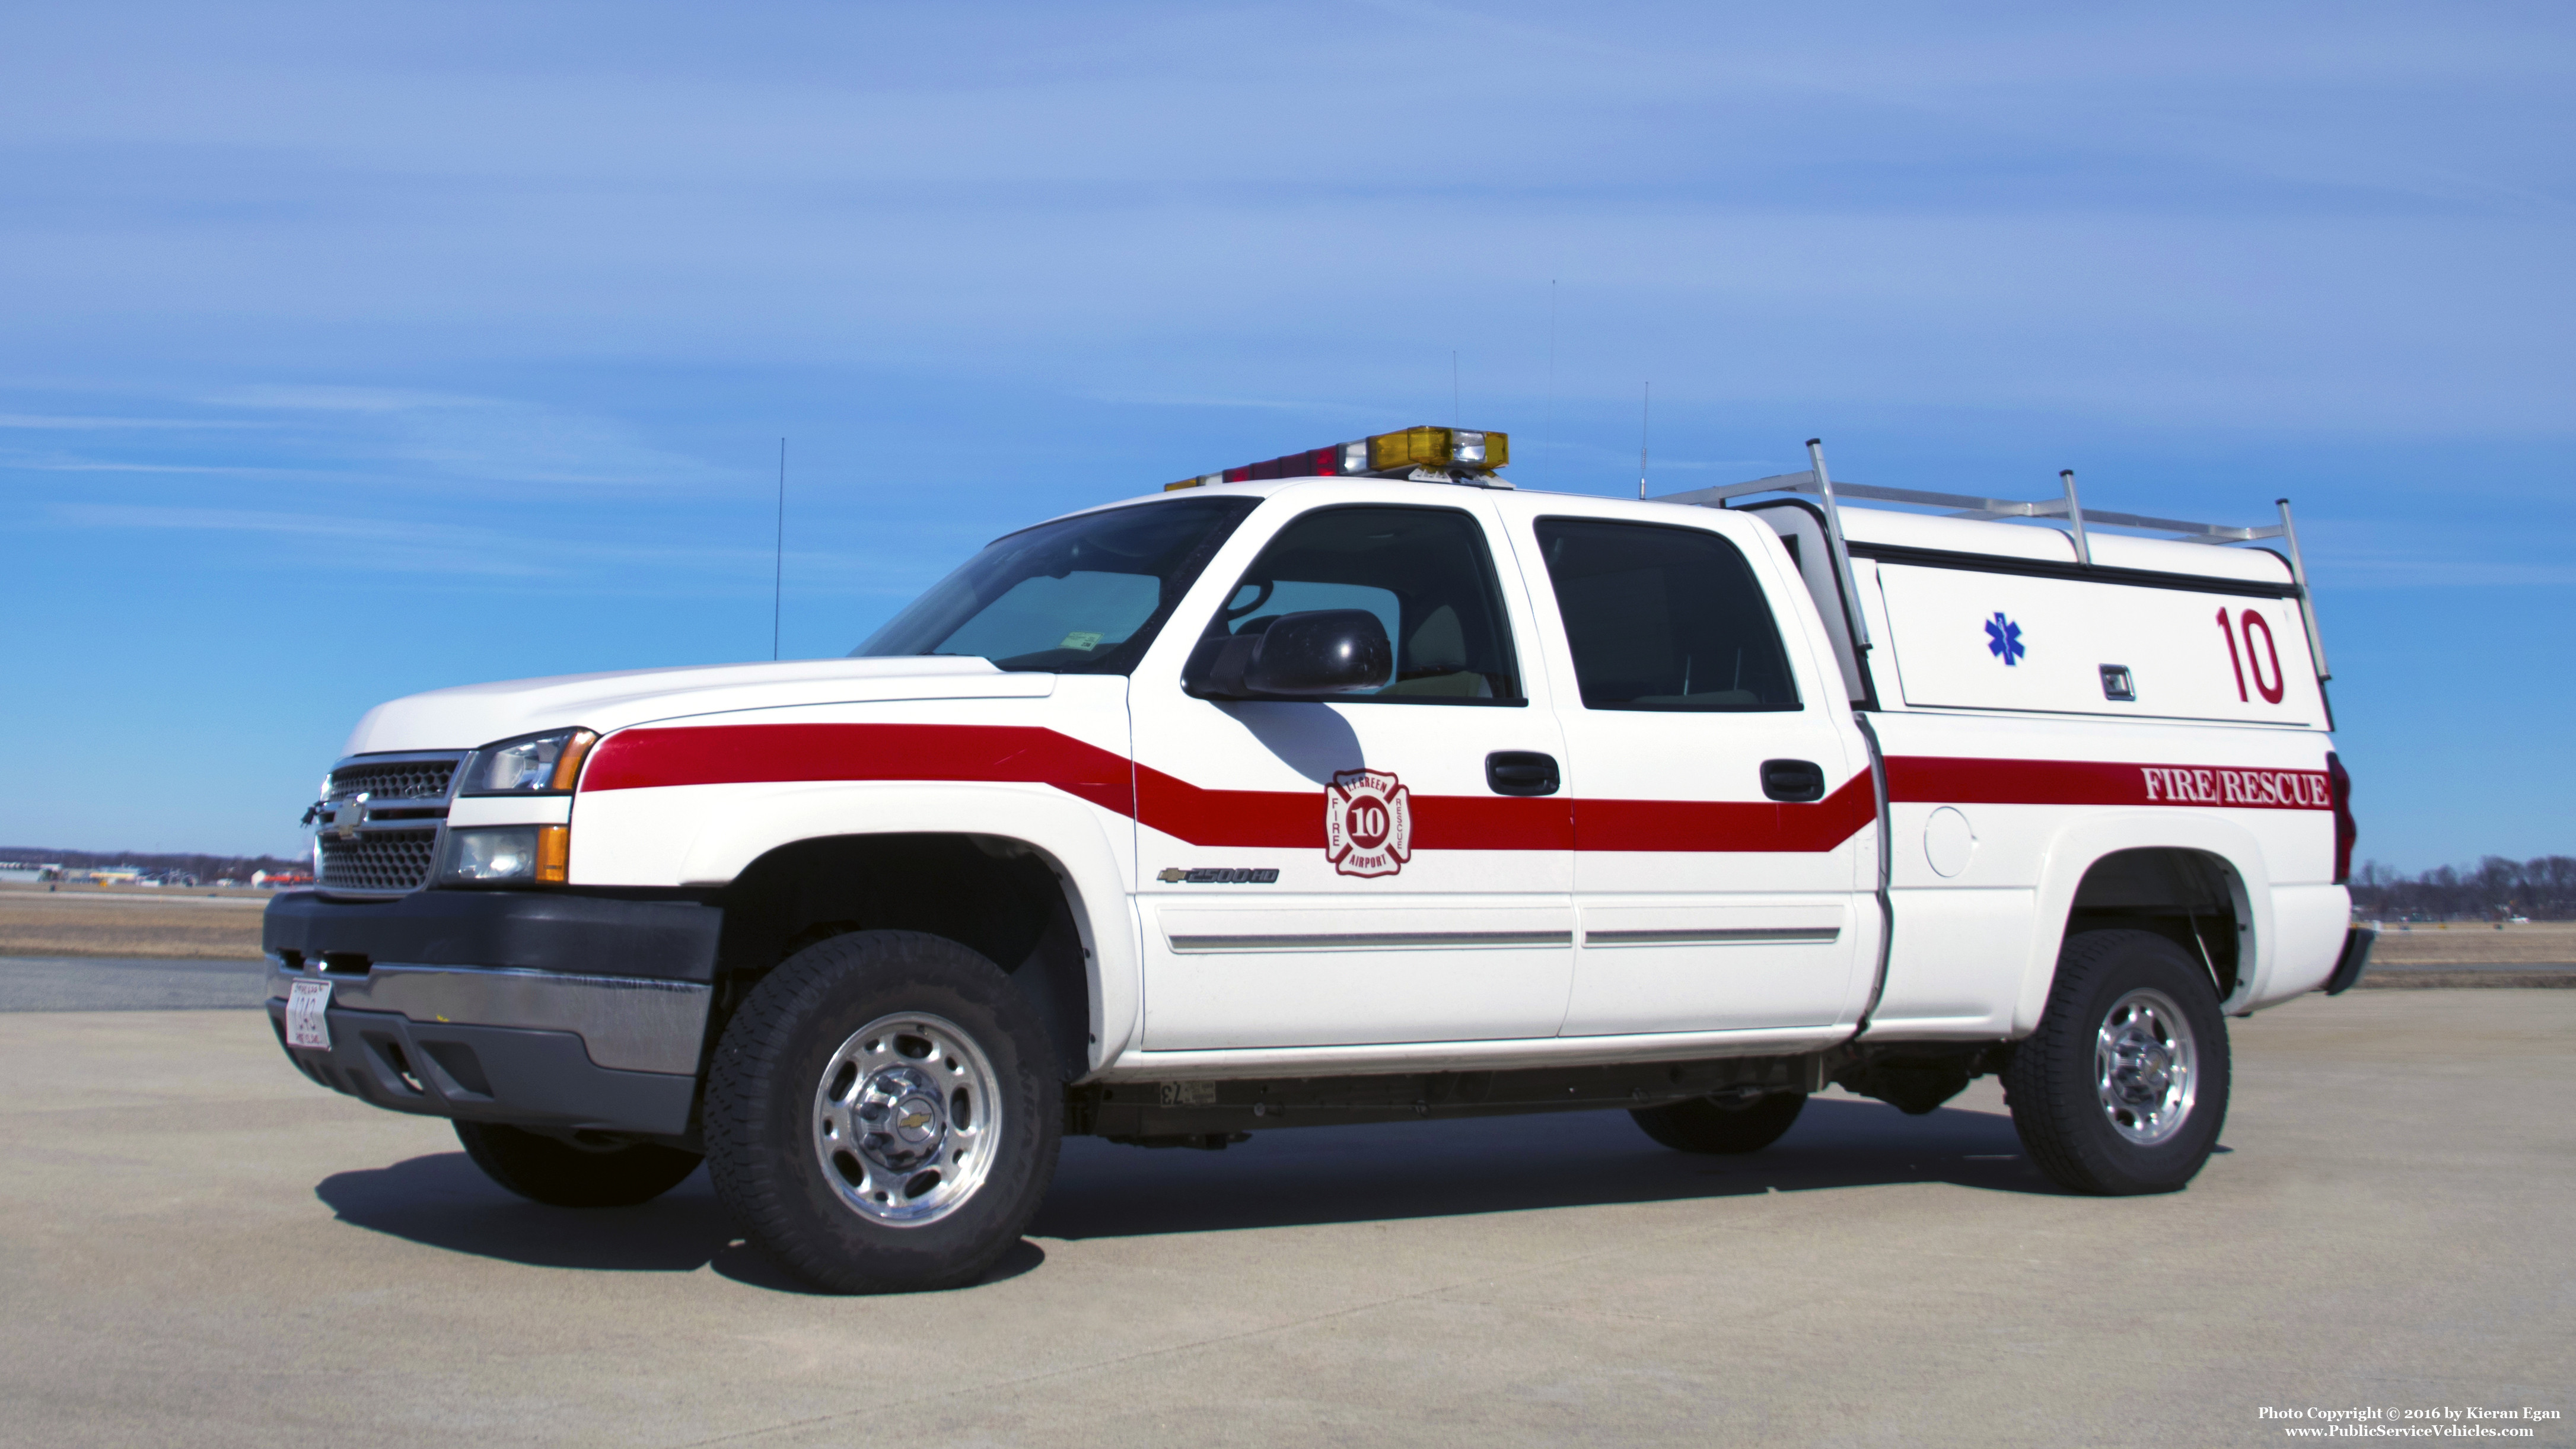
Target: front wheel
{"x":883,"y":1113}
{"x":2123,"y":1088}
{"x":567,"y":1174}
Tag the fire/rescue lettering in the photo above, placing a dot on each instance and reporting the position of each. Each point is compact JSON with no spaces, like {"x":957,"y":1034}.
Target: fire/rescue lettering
{"x":2279,"y":789}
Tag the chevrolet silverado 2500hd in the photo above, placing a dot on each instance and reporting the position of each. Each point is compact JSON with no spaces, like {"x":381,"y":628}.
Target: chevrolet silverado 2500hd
{"x":1356,"y":785}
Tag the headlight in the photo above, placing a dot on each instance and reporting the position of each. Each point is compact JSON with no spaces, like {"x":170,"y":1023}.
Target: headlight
{"x":546,"y":764}
{"x":508,"y":855}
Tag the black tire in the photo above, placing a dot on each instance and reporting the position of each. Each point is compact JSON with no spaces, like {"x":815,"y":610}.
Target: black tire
{"x":804,"y":1196}
{"x":1706,"y":1125}
{"x":2084,"y":1129}
{"x":566,"y":1174}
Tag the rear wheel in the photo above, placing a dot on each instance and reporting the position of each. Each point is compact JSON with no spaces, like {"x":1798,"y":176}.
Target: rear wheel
{"x":2123,"y":1088}
{"x":1704,"y":1124}
{"x":883,"y":1113}
{"x":553,"y":1171}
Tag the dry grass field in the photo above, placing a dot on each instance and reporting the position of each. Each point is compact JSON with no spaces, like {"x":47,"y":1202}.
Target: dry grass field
{"x":87,"y":921}
{"x":2472,"y":943}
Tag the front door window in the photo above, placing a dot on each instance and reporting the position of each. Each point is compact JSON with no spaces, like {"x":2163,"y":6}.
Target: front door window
{"x":1425,"y":574}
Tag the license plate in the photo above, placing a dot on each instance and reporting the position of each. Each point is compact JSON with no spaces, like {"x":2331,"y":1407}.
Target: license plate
{"x":307,"y":1024}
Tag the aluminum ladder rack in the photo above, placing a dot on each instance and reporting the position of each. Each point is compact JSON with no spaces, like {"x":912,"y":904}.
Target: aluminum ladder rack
{"x":1816,"y":481}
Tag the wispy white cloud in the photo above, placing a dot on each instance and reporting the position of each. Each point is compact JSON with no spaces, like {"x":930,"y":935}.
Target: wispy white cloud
{"x":328,"y":398}
{"x":93,"y":465}
{"x":248,"y":520}
{"x":1200,"y":400}
{"x":2401,"y":571}
{"x":375,"y":543}
{"x":2362,"y":553}
{"x":431,"y":436}
{"x":39,"y":422}
{"x":397,"y":439}
{"x":340,"y":542}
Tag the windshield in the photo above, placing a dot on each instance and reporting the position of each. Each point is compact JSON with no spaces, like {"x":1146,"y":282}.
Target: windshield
{"x":1081,"y":595}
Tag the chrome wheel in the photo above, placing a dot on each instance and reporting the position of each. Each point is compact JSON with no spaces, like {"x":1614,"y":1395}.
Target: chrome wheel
{"x":906,"y":1119}
{"x":2144,"y":1064}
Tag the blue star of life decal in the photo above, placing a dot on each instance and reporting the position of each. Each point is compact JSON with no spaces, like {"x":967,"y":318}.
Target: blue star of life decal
{"x":2003,"y":639}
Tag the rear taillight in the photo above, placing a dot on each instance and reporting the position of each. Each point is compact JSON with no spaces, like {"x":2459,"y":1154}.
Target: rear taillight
{"x":2339,"y":785}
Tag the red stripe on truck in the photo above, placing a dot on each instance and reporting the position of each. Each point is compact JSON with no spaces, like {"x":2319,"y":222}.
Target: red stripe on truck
{"x":1292,"y":820}
{"x":1022,"y":754}
{"x":785,"y":753}
{"x":1727,"y":825}
{"x":1936,"y":779}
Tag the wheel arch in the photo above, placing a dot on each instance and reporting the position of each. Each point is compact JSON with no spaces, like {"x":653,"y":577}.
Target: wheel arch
{"x":1026,"y":879}
{"x":2157,"y":873}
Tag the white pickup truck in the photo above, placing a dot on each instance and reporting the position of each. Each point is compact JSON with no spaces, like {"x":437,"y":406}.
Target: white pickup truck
{"x":1353,"y":786}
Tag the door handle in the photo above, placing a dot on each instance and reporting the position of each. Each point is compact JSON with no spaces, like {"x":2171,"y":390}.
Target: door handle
{"x":1793,"y":780}
{"x":1521,"y":772}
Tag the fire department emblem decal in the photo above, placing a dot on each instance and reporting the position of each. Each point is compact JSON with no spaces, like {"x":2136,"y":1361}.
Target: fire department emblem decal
{"x":1368,"y":823}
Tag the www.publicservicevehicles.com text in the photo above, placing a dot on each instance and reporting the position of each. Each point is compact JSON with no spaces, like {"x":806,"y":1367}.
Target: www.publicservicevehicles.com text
{"x":2397,"y":1422}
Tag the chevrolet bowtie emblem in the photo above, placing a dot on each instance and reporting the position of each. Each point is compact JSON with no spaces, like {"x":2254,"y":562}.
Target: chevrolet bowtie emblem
{"x":348,"y":816}
{"x":915,"y":1120}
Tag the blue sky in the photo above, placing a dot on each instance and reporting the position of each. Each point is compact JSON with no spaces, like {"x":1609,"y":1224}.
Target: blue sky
{"x":353,"y":351}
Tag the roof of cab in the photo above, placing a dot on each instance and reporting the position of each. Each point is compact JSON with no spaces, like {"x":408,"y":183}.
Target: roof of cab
{"x":1862,"y":524}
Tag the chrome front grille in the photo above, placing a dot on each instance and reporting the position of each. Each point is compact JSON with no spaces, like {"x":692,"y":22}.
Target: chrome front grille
{"x":381,"y":818}
{"x":379,"y":860}
{"x":411,"y":779}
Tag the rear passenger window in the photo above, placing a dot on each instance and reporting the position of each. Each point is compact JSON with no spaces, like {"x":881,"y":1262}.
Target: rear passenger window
{"x":1664,"y":618}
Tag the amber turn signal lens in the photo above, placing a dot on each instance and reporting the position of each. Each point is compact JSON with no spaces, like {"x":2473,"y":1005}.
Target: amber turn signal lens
{"x":568,"y":764}
{"x":554,"y":854}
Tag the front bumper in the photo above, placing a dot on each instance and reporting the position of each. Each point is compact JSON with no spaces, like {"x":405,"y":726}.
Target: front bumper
{"x":533,"y":1008}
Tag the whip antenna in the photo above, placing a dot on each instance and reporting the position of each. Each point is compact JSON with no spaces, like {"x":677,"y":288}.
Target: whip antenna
{"x":778,"y":574}
{"x":1645,"y":425}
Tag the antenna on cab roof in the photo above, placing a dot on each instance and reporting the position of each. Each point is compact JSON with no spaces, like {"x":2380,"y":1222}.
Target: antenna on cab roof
{"x":778,"y":574}
{"x":1645,"y":426}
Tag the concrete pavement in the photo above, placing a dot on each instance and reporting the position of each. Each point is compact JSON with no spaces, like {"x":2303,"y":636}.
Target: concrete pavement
{"x":197,"y":1246}
{"x":129,"y":983}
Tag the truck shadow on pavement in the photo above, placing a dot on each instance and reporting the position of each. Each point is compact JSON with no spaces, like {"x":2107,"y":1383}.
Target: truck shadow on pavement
{"x":1507,"y":1164}
{"x":442,"y":1200}
{"x":1293,"y":1177}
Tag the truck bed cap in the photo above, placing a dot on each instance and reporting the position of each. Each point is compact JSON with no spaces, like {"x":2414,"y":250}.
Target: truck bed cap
{"x":2040,"y":542}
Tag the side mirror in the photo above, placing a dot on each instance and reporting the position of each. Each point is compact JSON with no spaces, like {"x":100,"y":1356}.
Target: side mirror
{"x":1313,"y":655}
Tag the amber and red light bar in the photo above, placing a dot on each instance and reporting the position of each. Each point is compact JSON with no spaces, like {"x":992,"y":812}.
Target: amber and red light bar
{"x":1450,"y":450}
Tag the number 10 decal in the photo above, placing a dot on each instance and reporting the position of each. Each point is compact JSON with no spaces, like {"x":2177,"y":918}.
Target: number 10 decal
{"x":2253,"y":621}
